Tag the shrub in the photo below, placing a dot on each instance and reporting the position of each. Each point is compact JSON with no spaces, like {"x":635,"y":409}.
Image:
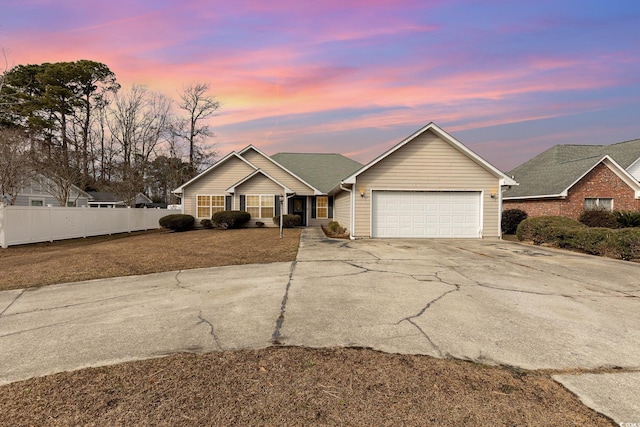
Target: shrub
{"x":206,"y":223}
{"x":334,"y":227}
{"x":259,"y":224}
{"x":511,"y":218}
{"x":177,"y":222}
{"x":590,"y":240}
{"x":230,"y":219}
{"x":627,"y":219}
{"x":621,"y":243}
{"x":598,"y":218}
{"x":545,"y":229}
{"x":288,"y":221}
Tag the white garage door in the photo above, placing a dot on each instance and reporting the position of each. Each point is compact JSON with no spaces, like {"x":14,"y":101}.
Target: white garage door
{"x":439,"y":214}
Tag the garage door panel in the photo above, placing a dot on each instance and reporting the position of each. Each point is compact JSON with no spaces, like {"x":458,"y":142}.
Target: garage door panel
{"x":425,"y":214}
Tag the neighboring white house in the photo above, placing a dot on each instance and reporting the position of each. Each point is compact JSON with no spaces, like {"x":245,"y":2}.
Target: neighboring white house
{"x":105,"y":199}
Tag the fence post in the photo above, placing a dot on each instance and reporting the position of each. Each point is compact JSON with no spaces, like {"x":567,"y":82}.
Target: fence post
{"x":50,"y":223}
{"x":3,"y":226}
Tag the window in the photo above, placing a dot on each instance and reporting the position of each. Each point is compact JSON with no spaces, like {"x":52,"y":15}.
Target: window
{"x":208,"y":205}
{"x":260,"y":206}
{"x":36,"y":202}
{"x":71,"y":204}
{"x":598,"y":203}
{"x":322,"y":207}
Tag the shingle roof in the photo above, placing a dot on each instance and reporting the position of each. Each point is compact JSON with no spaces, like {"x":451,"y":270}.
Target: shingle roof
{"x":323,"y":171}
{"x":553,"y":171}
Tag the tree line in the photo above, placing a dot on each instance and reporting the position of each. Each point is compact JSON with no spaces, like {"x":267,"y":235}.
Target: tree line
{"x":71,"y":123}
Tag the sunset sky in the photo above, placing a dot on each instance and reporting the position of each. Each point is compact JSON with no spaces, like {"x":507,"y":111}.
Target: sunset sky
{"x":506,"y":78}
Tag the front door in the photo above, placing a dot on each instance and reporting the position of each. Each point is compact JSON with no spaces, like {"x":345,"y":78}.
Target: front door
{"x":298,"y":206}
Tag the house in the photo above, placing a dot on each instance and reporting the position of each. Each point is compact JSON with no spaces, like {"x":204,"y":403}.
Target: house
{"x":38,"y":193}
{"x":428,"y":185}
{"x":567,"y":179}
{"x":252,"y":181}
{"x":105,"y":199}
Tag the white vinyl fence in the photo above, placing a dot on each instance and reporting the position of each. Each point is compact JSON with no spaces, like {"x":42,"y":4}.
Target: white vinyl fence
{"x":30,"y":224}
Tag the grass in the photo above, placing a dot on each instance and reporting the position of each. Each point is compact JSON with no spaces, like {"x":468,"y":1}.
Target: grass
{"x":141,"y":253}
{"x":275,"y":386}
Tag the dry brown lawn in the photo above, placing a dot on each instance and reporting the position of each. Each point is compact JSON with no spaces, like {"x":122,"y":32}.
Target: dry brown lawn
{"x":277,"y":386}
{"x":141,"y":253}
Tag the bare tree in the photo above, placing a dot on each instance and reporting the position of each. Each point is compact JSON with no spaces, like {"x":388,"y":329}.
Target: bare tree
{"x":138,"y":121}
{"x":199,"y":107}
{"x":15,"y":170}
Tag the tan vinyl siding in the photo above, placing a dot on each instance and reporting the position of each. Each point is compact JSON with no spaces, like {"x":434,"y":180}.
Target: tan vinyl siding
{"x":276,"y":172}
{"x":427,"y":163}
{"x":341,"y":211}
{"x":215,"y":182}
{"x":317,"y":222}
{"x":259,"y":184}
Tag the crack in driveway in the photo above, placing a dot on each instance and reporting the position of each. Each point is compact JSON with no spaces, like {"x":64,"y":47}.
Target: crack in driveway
{"x":410,"y":319}
{"x":275,"y":337}
{"x":12,"y":302}
{"x":211,"y":329}
{"x":65,"y":306}
{"x":179,"y":283}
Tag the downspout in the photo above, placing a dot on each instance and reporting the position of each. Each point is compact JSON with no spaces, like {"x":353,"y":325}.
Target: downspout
{"x":351,"y":211}
{"x":500,"y":212}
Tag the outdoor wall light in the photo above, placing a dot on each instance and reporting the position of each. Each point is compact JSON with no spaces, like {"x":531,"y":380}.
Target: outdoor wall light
{"x":362,"y":191}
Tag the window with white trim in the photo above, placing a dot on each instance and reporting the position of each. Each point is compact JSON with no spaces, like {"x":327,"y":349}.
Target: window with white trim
{"x":322,"y":207}
{"x":260,"y":205}
{"x":595,"y":203}
{"x":36,"y":202}
{"x":207,"y":205}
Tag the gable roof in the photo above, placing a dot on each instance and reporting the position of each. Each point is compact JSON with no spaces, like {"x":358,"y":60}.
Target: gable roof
{"x":323,"y":171}
{"x":104,"y":196}
{"x":504,"y":179}
{"x":211,"y":168}
{"x":232,"y":189}
{"x":553,"y":172}
{"x":283,"y":167}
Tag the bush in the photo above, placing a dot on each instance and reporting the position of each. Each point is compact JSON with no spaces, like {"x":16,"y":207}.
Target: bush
{"x":288,"y":221}
{"x":335,"y":227}
{"x":545,"y":229}
{"x":230,"y":219}
{"x":177,"y":222}
{"x":511,"y":218}
{"x":627,"y":219}
{"x":259,"y":224}
{"x":206,"y":223}
{"x":598,"y":218}
{"x":621,"y":243}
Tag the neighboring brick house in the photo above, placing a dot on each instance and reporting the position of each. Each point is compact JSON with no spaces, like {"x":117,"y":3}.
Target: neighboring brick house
{"x":567,"y":179}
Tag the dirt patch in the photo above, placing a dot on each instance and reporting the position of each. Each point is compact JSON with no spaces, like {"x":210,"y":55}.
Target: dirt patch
{"x":295,"y":386}
{"x":141,"y":253}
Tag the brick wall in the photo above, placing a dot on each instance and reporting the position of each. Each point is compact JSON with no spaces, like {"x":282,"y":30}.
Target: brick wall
{"x":600,"y":182}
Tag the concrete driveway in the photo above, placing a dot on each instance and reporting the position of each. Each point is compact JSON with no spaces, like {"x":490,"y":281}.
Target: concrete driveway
{"x":488,"y":301}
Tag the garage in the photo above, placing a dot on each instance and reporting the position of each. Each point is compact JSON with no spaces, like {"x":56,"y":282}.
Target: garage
{"x":430,"y":214}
